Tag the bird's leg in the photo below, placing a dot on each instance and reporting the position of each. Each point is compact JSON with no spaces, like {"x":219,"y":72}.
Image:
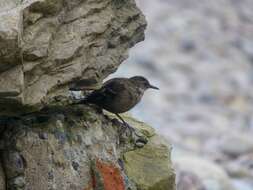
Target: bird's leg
{"x":126,"y":124}
{"x":131,"y":129}
{"x":121,"y":118}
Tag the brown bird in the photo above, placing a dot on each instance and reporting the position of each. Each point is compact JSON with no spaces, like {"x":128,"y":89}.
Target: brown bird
{"x":119,"y":95}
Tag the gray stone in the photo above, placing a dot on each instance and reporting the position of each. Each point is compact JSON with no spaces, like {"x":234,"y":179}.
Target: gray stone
{"x":187,"y":180}
{"x":13,"y":162}
{"x":82,"y":150}
{"x":236,"y":144}
{"x":12,"y":82}
{"x":209,"y":175}
{"x":10,"y":31}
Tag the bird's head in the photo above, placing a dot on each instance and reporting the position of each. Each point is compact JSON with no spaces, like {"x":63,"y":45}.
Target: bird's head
{"x":142,"y":83}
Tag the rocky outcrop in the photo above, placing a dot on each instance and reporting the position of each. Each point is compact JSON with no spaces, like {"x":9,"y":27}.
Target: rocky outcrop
{"x":78,"y":148}
{"x":46,"y":46}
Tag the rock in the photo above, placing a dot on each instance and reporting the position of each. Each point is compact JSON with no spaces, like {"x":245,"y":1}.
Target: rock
{"x":12,"y":87}
{"x":46,"y":46}
{"x":13,"y":163}
{"x":243,"y":184}
{"x":108,"y":176}
{"x":189,"y":181}
{"x":236,"y":144}
{"x":17,"y":183}
{"x":10,"y":31}
{"x":142,"y":127}
{"x":2,"y":178}
{"x":207,"y":174}
{"x":247,"y":162}
{"x":153,"y":160}
{"x":240,"y":167}
{"x":237,"y":170}
{"x":74,"y":147}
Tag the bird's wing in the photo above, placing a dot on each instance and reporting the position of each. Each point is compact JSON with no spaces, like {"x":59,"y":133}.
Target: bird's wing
{"x":114,"y":86}
{"x":109,"y":90}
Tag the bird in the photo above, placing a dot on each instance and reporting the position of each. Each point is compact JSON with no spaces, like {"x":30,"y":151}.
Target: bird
{"x":119,"y":95}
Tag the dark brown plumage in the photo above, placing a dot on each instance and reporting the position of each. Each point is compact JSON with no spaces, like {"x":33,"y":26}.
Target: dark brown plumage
{"x":119,"y":95}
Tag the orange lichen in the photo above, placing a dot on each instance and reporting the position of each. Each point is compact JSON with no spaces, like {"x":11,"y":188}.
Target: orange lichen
{"x":111,"y":175}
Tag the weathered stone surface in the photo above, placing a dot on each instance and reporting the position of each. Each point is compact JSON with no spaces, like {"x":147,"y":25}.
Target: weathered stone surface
{"x":13,"y":86}
{"x":10,"y":30}
{"x":59,"y":42}
{"x":2,"y":178}
{"x":77,"y":148}
{"x":153,"y":160}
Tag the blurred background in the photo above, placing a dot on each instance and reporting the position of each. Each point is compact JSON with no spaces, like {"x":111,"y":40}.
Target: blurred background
{"x":200,"y":54}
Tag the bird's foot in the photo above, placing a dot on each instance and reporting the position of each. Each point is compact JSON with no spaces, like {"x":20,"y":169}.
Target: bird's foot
{"x":139,"y":139}
{"x":129,"y":128}
{"x":127,"y":131}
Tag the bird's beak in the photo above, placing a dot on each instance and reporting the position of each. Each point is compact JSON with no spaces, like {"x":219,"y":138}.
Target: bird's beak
{"x":153,"y":87}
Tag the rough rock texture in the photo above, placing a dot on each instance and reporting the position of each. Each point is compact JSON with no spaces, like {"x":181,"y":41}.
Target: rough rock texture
{"x":2,"y":178}
{"x":47,"y":45}
{"x":78,"y":148}
{"x":151,"y":160}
